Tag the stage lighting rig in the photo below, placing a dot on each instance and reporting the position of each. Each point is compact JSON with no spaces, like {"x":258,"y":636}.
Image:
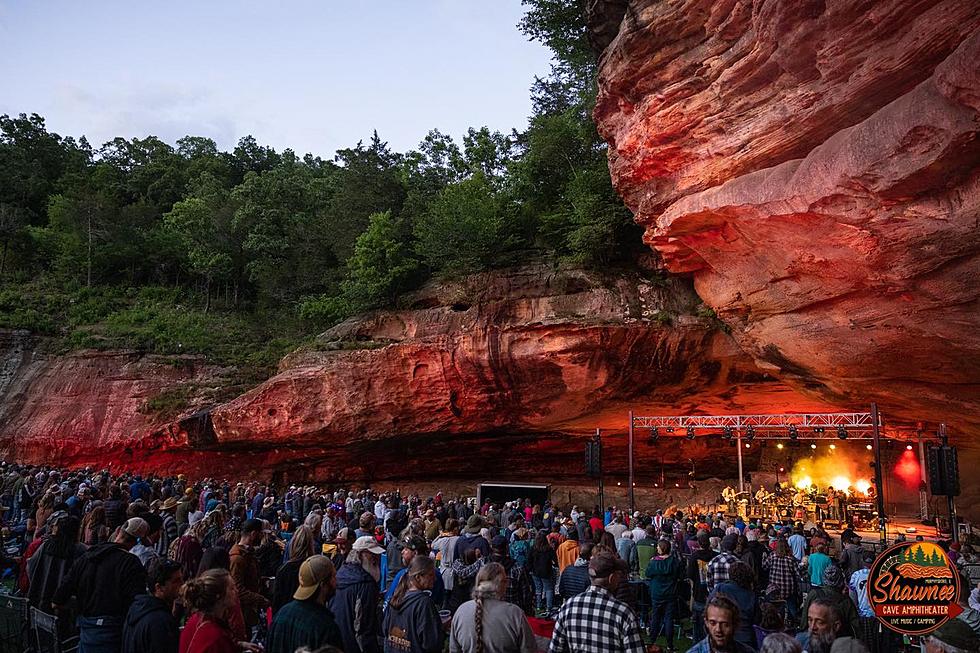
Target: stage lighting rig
{"x":794,"y":433}
{"x":654,"y":434}
{"x":690,"y":432}
{"x":749,"y":432}
{"x":841,"y":433}
{"x":728,"y":433}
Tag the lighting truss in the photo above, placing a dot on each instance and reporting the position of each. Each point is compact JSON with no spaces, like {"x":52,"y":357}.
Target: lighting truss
{"x":808,"y":426}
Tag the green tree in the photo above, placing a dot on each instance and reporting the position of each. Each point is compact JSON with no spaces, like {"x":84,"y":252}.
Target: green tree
{"x":383,"y":264}
{"x":203,"y":223}
{"x":464,"y":229}
{"x":369,"y":180}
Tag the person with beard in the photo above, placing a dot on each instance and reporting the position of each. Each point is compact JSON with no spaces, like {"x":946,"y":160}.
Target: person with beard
{"x":150,"y":626}
{"x":823,"y":626}
{"x":411,"y":620}
{"x":721,"y":619}
{"x":832,"y":588}
{"x":306,"y":620}
{"x":355,"y":604}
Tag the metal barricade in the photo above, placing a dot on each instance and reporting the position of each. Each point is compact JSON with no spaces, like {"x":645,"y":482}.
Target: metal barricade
{"x":14,"y":613}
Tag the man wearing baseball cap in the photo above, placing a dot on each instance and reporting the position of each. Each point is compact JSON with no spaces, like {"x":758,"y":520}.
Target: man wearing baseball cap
{"x":355,"y":605}
{"x":595,"y":620}
{"x":306,"y":621}
{"x":104,"y":581}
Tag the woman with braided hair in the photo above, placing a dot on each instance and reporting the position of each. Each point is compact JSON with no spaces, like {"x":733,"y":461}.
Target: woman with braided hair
{"x":488,"y":624}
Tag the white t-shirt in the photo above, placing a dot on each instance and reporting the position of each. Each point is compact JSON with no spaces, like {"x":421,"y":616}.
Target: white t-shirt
{"x":858,"y":585}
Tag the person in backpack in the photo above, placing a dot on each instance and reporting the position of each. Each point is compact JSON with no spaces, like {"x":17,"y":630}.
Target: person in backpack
{"x":411,"y":621}
{"x":150,"y":626}
{"x":53,"y":559}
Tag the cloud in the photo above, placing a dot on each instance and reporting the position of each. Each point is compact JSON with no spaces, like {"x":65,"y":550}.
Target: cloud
{"x":167,"y":111}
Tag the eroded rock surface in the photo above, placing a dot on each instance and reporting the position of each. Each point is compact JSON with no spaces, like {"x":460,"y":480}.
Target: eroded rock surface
{"x":814,"y":166}
{"x":501,"y":374}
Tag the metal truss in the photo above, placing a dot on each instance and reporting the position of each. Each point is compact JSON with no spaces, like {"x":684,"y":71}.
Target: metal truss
{"x":807,"y":426}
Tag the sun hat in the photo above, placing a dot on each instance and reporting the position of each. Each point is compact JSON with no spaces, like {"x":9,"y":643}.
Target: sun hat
{"x":474,"y":524}
{"x":169,"y":504}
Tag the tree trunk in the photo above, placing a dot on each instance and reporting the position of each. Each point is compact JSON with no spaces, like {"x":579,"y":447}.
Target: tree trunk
{"x":207,"y":291}
{"x":3,"y":258}
{"x":88,"y":277}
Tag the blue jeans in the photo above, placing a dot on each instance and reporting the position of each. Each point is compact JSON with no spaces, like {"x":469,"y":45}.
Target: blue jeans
{"x":544,"y":591}
{"x":99,"y":634}
{"x":662,"y":618}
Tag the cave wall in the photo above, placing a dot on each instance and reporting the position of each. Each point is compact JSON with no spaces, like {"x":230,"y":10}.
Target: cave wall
{"x":813,"y":166}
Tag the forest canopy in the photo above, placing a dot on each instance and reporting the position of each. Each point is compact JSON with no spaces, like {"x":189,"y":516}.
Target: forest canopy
{"x":128,"y":241}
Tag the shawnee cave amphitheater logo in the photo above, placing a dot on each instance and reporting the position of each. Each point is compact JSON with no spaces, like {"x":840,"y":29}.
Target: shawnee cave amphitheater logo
{"x":913,"y":588}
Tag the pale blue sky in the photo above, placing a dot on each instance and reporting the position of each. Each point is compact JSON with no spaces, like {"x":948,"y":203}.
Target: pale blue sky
{"x":313,"y":76}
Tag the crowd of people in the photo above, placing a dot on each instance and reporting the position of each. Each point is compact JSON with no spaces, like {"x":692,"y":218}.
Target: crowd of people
{"x":133,"y":564}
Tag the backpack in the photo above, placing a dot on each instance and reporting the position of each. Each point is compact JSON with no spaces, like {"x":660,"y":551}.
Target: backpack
{"x":519,"y":552}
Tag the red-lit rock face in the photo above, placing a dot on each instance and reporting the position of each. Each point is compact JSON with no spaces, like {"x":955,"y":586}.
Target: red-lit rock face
{"x":502,"y":375}
{"x":814,"y":166}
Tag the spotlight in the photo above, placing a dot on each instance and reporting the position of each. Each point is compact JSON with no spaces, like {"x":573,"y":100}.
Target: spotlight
{"x":782,"y":469}
{"x":669,"y":429}
{"x":813,"y":446}
{"x":869,"y":447}
{"x":656,"y":485}
{"x":793,"y":432}
{"x":908,"y":447}
{"x":749,"y":432}
{"x":841,"y":432}
{"x":654,"y":434}
{"x":748,"y":446}
{"x":619,"y":482}
{"x":833,"y":446}
{"x":728,"y":433}
{"x":779,"y":445}
{"x":690,"y":432}
{"x":677,"y":484}
{"x":819,"y":429}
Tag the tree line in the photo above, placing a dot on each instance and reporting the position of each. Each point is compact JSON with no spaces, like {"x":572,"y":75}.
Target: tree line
{"x":256,"y":227}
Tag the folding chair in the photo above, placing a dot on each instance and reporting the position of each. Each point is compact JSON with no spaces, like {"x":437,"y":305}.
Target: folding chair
{"x":13,"y":623}
{"x":45,"y":636}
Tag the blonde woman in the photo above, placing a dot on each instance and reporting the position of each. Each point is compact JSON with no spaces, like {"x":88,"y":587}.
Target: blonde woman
{"x":488,"y":624}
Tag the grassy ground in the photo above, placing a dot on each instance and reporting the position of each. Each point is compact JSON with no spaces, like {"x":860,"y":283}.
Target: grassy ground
{"x":151,"y":319}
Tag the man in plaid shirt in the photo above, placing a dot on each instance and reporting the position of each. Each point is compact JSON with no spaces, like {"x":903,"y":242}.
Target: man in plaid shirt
{"x":594,"y":621}
{"x":720,"y":564}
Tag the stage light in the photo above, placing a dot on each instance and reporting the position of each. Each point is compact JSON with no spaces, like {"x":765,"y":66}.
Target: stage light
{"x":677,"y":484}
{"x":656,"y":485}
{"x":869,"y":447}
{"x":813,"y":446}
{"x":654,"y":434}
{"x":749,"y":432}
{"x":793,"y":432}
{"x":841,"y":433}
{"x":833,"y":447}
{"x":782,"y":469}
{"x":728,"y":432}
{"x":619,"y":483}
{"x":690,"y":432}
{"x":819,"y":429}
{"x":669,"y":429}
{"x":779,"y":445}
{"x":908,"y":447}
{"x":748,"y":446}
